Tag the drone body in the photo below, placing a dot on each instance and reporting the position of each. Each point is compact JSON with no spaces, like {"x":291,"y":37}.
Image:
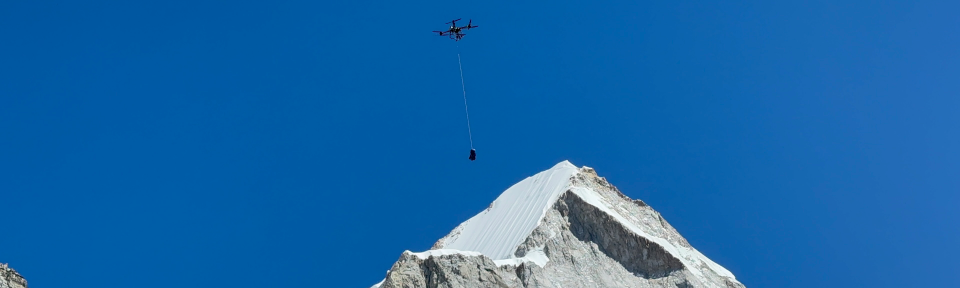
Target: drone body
{"x":454,"y":32}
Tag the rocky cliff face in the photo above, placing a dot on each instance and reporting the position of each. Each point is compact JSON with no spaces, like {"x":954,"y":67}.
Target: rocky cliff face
{"x":9,"y":278}
{"x":587,"y":234}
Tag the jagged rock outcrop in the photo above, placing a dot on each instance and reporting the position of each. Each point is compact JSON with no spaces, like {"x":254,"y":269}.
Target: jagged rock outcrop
{"x":564,"y":227}
{"x":451,"y":270}
{"x":9,"y":278}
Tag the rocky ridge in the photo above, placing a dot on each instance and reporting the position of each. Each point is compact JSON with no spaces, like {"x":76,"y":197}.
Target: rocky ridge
{"x":9,"y":278}
{"x":588,"y":235}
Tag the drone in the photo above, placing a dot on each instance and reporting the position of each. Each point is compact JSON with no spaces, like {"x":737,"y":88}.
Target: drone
{"x":454,"y":31}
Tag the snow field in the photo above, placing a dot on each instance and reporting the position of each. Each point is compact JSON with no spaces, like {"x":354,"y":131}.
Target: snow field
{"x":497,"y":231}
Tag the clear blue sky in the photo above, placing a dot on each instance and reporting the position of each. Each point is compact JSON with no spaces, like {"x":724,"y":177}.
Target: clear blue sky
{"x":308,"y":143}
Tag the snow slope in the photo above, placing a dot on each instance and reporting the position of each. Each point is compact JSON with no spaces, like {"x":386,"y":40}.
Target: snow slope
{"x":497,"y":231}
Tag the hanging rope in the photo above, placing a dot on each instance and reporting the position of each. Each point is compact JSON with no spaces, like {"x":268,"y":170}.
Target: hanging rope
{"x":465,"y":108}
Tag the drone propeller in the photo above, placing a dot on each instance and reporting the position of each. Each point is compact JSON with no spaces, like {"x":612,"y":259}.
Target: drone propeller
{"x":454,"y":21}
{"x":470,"y":25}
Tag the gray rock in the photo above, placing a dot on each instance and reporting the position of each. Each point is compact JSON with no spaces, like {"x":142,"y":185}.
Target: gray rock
{"x":447,"y":271}
{"x":9,"y":278}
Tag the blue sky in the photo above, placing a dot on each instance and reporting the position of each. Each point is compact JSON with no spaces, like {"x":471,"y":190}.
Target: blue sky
{"x":308,"y":143}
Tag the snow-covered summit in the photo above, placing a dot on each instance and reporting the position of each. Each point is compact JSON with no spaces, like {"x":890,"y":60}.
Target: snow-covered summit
{"x":497,"y":231}
{"x":563,"y":227}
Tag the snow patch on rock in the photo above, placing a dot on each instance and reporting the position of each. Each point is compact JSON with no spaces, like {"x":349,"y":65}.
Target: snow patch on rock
{"x":535,"y":256}
{"x":442,"y":252}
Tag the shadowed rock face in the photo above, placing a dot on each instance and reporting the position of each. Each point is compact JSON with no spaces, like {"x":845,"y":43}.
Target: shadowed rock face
{"x":637,"y":254}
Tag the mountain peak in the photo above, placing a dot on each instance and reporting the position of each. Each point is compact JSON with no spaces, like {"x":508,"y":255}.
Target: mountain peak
{"x":563,"y":227}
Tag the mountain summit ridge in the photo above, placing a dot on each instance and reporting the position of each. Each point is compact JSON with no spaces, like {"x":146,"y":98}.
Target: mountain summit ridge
{"x":563,"y":227}
{"x":522,"y":206}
